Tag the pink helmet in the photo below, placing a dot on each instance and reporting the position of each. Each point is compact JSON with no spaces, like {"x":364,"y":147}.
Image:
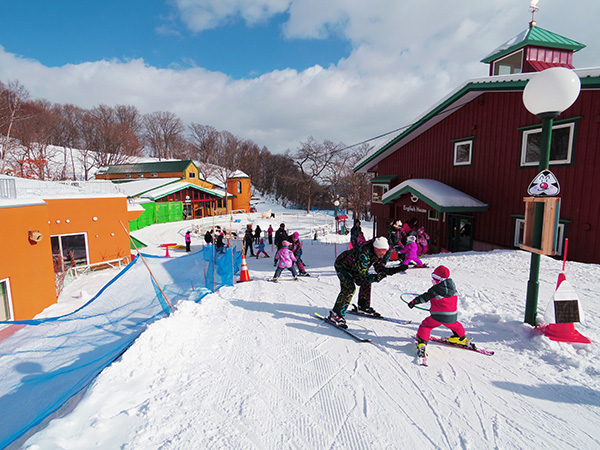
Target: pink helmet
{"x":296,"y":235}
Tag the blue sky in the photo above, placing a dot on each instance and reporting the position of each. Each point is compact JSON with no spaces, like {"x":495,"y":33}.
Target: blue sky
{"x":75,"y":31}
{"x":274,"y":71}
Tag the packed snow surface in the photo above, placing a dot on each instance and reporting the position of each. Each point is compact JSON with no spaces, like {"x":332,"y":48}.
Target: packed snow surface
{"x":250,"y":367}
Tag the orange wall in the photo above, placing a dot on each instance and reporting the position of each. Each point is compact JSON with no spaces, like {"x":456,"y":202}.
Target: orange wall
{"x":105,"y":236}
{"x":242,"y":200}
{"x":28,"y":266}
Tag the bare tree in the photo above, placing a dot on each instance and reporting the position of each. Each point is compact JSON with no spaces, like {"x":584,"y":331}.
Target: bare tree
{"x":67,"y":134}
{"x":356,"y":187}
{"x":12,"y":97}
{"x":164,"y":134}
{"x":313,"y":159}
{"x":31,"y":158}
{"x":204,"y":140}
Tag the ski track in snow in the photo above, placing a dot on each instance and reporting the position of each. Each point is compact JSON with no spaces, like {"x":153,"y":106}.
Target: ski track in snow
{"x":250,"y":367}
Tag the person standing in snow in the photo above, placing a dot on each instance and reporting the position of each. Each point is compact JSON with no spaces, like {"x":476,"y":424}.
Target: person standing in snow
{"x":270,"y":234}
{"x":220,"y":242}
{"x":355,"y":232}
{"x":249,"y":240}
{"x":422,"y":241}
{"x":285,"y":260}
{"x":296,"y":249}
{"x":410,"y":252}
{"x":352,"y":268}
{"x":444,"y":310}
{"x":261,"y":249}
{"x":188,"y":241}
{"x":257,"y":233}
{"x":280,"y":236}
{"x":394,"y":234}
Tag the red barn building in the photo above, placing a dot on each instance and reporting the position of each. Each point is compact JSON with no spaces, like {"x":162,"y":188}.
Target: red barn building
{"x":463,"y":168}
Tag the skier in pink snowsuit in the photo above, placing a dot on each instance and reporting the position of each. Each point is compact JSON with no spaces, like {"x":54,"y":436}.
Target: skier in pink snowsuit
{"x":410,"y":251}
{"x":285,"y":260}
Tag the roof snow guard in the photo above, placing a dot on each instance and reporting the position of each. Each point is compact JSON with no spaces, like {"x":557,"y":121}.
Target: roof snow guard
{"x":440,"y":196}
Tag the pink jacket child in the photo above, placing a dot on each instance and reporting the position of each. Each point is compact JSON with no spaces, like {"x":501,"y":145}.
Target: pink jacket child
{"x":422,"y":241}
{"x":410,"y":251}
{"x":285,"y":260}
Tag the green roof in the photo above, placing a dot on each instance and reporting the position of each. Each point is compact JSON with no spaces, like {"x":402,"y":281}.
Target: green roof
{"x":384,"y":179}
{"x":147,"y":167}
{"x":534,"y":36}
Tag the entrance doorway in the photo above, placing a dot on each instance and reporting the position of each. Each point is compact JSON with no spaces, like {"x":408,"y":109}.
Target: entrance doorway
{"x":460,"y":233}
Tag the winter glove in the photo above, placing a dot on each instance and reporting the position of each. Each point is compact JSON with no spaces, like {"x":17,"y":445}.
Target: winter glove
{"x":411,"y":304}
{"x":376,"y":277}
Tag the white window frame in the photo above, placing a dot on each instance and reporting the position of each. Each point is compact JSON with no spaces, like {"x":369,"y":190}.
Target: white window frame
{"x":431,"y":215}
{"x":239,"y":187}
{"x":385,"y":187}
{"x":520,"y":227}
{"x":86,"y":240}
{"x":513,"y":69}
{"x":527,"y":133}
{"x":11,"y":313}
{"x":154,"y":174}
{"x":458,"y":144}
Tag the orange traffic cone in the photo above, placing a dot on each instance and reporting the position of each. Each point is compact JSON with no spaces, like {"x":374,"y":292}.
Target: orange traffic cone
{"x":244,"y":274}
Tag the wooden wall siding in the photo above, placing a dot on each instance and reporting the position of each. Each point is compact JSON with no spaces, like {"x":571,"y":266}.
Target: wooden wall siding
{"x":495,"y":119}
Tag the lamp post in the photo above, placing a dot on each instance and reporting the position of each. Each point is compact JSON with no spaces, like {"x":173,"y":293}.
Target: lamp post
{"x":546,"y":95}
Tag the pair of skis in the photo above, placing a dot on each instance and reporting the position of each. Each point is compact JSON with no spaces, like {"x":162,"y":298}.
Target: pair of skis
{"x":421,"y":359}
{"x":355,"y":310}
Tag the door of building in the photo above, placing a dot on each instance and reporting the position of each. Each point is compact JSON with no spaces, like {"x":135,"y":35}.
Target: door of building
{"x":460,"y":233}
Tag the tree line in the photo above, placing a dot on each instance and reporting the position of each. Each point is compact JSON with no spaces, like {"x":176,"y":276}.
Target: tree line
{"x":313,"y":175}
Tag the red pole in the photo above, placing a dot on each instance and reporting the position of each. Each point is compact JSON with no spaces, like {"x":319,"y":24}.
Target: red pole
{"x":565,"y":253}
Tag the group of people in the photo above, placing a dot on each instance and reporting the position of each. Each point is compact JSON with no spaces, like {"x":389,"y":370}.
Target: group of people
{"x":288,"y":253}
{"x":353,"y":269}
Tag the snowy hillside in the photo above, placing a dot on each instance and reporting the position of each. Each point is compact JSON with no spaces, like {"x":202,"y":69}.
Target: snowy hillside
{"x":250,"y":367}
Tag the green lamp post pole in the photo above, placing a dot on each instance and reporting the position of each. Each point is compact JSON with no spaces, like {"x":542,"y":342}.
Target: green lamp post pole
{"x":546,"y":95}
{"x":533,"y":285}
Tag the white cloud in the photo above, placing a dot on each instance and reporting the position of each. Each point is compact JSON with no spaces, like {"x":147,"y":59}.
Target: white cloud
{"x":405,"y":56}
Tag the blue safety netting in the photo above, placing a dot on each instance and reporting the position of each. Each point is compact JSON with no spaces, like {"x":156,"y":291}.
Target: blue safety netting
{"x":47,"y":361}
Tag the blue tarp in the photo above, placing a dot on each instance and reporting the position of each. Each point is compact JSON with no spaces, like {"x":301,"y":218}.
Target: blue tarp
{"x":47,"y":361}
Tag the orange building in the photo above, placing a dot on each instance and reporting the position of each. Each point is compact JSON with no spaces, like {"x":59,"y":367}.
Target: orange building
{"x":45,"y":235}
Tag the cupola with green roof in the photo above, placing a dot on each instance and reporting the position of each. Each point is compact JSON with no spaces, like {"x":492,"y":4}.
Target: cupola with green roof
{"x":532,"y":50}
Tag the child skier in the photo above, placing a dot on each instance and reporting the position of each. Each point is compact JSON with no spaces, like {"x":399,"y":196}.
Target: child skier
{"x":422,"y":241}
{"x":261,"y":249}
{"x":410,"y":252}
{"x":297,"y":250}
{"x":444,"y":310}
{"x":285,"y":260}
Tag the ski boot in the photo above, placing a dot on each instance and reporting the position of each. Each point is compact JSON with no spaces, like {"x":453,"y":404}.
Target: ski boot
{"x":337,"y":319}
{"x":456,"y":339}
{"x":369,"y":310}
{"x":421,"y":348}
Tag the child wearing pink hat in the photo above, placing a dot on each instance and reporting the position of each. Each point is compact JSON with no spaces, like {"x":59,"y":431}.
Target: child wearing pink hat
{"x":285,"y":260}
{"x":444,"y":310}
